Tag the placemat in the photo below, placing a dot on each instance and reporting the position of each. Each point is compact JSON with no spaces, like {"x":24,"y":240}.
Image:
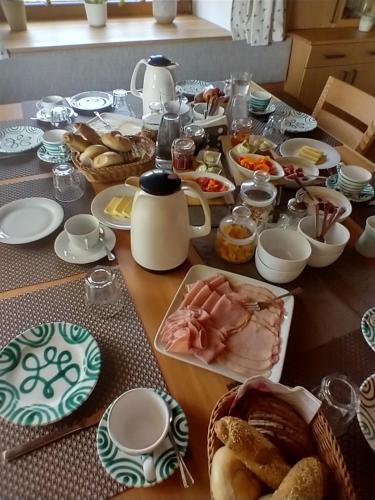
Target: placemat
{"x":37,"y":262}
{"x":70,"y":468}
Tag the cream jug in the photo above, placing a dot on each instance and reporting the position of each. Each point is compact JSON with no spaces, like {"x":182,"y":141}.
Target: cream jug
{"x":158,"y":81}
{"x":160,"y":229}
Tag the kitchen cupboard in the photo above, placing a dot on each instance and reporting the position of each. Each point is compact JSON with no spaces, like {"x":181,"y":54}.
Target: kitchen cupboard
{"x":304,"y":14}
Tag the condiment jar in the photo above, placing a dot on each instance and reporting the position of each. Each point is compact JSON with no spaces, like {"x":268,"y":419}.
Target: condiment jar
{"x":182,"y":154}
{"x":258,"y":194}
{"x":198,"y":134}
{"x":236,"y":236}
{"x":151,"y":121}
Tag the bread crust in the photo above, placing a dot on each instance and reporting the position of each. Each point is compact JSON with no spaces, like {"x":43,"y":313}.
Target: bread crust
{"x":76,"y":142}
{"x":91,"y":152}
{"x":88,"y":133}
{"x":117,"y":142}
{"x":107,"y":159}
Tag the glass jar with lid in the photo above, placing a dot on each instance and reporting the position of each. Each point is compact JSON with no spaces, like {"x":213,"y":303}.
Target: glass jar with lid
{"x":258,"y":194}
{"x":198,"y":134}
{"x":182,"y":154}
{"x":297,"y":210}
{"x":236,"y":236}
{"x":151,"y":121}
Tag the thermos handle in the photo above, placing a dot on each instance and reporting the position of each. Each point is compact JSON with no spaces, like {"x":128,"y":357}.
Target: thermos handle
{"x":132,"y":183}
{"x":198,"y":231}
{"x":133,"y":80}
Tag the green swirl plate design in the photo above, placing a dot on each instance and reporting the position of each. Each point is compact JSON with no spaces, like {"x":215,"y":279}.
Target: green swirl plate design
{"x":368,"y":331}
{"x":127,"y":469}
{"x":366,"y":410}
{"x":19,"y":139}
{"x":47,"y":372}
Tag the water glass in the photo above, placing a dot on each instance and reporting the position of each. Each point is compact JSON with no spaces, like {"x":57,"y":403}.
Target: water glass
{"x":240,"y":82}
{"x":275,"y":129}
{"x":103,"y":294}
{"x":236,"y":109}
{"x":67,"y":183}
{"x":60,"y":114}
{"x":119,"y":100}
{"x":339,"y":396}
{"x":169,"y":130}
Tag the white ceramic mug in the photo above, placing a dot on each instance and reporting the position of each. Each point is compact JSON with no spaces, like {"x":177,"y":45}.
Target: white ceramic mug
{"x":366,"y":242}
{"x":53,"y":141}
{"x":82,"y":231}
{"x":353,"y":179}
{"x":138,"y":422}
{"x":46,"y":104}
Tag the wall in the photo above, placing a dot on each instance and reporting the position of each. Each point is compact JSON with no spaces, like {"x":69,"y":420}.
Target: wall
{"x":215,"y":11}
{"x":65,"y":72}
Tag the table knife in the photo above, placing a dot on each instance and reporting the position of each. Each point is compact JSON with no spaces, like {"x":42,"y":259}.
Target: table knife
{"x":34,"y":444}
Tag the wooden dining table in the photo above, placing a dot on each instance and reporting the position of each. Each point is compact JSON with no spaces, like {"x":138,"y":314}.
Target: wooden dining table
{"x":196,"y":389}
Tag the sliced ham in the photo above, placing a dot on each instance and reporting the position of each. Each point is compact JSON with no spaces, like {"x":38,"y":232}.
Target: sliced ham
{"x":211,"y":301}
{"x":249,"y":293}
{"x":229,"y":316}
{"x":191,"y":293}
{"x":252,"y":340}
{"x":200,"y":298}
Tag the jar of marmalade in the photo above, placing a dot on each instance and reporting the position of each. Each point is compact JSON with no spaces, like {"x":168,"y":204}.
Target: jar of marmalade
{"x":258,"y":195}
{"x":182,"y":154}
{"x":241,"y":129}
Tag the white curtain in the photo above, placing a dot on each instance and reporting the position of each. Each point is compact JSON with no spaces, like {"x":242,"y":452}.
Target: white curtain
{"x":259,"y":22}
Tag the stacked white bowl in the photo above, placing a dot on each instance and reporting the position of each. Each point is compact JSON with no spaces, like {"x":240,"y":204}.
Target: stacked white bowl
{"x":281,"y":254}
{"x":353,"y":179}
{"x":324,"y":253}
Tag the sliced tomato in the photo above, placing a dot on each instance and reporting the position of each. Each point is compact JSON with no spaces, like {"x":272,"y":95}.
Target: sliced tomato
{"x":211,"y":185}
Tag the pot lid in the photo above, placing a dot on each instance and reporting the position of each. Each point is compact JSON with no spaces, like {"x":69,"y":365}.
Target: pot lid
{"x":160,"y":183}
{"x":159,"y":60}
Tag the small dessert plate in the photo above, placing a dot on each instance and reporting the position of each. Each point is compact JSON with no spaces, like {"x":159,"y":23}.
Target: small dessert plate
{"x":20,"y":139}
{"x":66,"y":252}
{"x":269,"y":109}
{"x":191,"y":88}
{"x":127,"y":469}
{"x":43,"y":155}
{"x":91,"y":101}
{"x":366,"y":194}
{"x":368,"y":327}
{"x":366,"y":410}
{"x":295,"y":121}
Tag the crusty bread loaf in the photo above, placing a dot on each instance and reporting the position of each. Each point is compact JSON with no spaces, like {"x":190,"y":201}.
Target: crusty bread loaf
{"x":305,"y":481}
{"x":107,"y":160}
{"x":230,"y":479}
{"x":253,"y":449}
{"x":91,"y":152}
{"x":88,"y":133}
{"x":76,"y":142}
{"x":117,"y":142}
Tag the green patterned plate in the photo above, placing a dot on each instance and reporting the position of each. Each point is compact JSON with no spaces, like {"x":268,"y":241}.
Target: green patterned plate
{"x":366,"y":410}
{"x":47,"y":372}
{"x":19,"y":139}
{"x":368,"y":327}
{"x":127,"y":469}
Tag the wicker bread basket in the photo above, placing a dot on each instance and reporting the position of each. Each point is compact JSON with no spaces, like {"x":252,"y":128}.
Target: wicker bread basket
{"x":327,"y":446}
{"x":119,"y":172}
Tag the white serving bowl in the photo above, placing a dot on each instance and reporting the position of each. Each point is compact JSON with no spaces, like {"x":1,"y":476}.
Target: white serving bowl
{"x":273,"y":275}
{"x":208,"y":195}
{"x":234,"y":159}
{"x":327,"y":194}
{"x":199,"y":109}
{"x":283,"y":249}
{"x":310,"y":170}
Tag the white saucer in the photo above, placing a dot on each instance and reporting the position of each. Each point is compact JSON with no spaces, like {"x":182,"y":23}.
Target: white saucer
{"x":43,"y":155}
{"x":64,"y":250}
{"x":269,"y":109}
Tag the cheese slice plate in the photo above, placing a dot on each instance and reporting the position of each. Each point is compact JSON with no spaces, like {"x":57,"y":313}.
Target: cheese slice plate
{"x":330,"y":159}
{"x":201,"y":272}
{"x":104,"y":198}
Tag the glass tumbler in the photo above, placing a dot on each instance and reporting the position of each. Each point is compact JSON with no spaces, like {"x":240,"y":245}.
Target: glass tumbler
{"x":67,"y":183}
{"x":339,"y":396}
{"x":60,"y":114}
{"x":103,"y":294}
{"x":169,"y":130}
{"x":119,"y":100}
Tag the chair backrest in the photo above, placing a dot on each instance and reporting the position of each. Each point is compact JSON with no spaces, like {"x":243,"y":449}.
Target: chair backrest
{"x":347,"y":113}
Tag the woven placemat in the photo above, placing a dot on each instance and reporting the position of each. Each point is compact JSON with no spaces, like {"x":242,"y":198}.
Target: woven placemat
{"x":37,"y":262}
{"x":71,"y":468}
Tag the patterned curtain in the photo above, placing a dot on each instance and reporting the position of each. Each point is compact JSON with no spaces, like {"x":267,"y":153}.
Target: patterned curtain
{"x":259,"y":22}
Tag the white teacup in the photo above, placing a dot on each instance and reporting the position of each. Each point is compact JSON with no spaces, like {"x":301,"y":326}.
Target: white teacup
{"x":53,"y":141}
{"x":366,"y":242}
{"x":353,"y":179}
{"x":138,"y":422}
{"x":82,"y":231}
{"x":46,"y":104}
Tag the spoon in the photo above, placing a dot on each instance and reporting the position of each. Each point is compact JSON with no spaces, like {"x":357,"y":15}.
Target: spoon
{"x":187,"y":478}
{"x":110,"y":256}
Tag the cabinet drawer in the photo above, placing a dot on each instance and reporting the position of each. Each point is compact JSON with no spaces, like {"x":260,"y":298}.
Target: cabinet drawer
{"x":341,"y":54}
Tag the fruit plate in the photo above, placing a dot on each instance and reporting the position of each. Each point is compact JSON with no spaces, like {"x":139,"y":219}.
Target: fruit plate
{"x":278,"y":171}
{"x":209,"y":195}
{"x":201,"y":272}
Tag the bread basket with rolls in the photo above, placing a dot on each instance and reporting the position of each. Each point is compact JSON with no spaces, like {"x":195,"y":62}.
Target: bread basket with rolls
{"x":111,"y":156}
{"x":259,"y":445}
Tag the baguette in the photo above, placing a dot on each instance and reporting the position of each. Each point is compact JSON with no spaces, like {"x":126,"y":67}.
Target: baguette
{"x":253,"y":449}
{"x":91,"y":152}
{"x":116,"y":142}
{"x":107,"y":160}
{"x":76,"y":142}
{"x":88,"y":133}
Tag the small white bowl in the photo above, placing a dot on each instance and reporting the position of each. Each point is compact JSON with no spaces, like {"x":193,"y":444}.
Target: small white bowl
{"x":234,"y":158}
{"x":273,"y":275}
{"x":186,"y":176}
{"x":310,"y":170}
{"x":199,"y":109}
{"x":283,"y":249}
{"x":182,"y":109}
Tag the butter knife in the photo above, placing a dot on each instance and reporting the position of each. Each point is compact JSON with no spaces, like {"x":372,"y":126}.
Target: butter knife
{"x":34,"y":444}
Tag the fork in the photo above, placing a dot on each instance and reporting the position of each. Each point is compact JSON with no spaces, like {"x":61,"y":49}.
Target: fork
{"x":98,"y":115}
{"x":258,"y":306}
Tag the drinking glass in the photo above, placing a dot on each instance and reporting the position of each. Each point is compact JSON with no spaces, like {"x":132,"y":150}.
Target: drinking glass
{"x":339,"y":396}
{"x":275,"y":129}
{"x":169,"y":130}
{"x":119,"y":100}
{"x":237,"y":109}
{"x":60,"y":114}
{"x":103,"y":294}
{"x":67,"y":183}
{"x":240,"y":82}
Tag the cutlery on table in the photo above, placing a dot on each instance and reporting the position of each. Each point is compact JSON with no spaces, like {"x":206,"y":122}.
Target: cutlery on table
{"x":98,"y":115}
{"x":258,"y":306}
{"x":110,"y":255}
{"x":187,"y":478}
{"x":304,"y":188}
{"x":35,"y":444}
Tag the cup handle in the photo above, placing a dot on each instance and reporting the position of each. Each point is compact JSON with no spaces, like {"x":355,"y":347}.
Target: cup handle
{"x":132,"y":183}
{"x":86,"y":243}
{"x":148,"y":468}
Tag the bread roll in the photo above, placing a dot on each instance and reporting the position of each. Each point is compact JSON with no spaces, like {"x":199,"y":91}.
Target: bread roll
{"x":253,"y":449}
{"x":306,"y":480}
{"x":117,"y":142}
{"x":230,"y":479}
{"x":107,"y":160}
{"x":88,"y":133}
{"x":76,"y":142}
{"x":91,"y":152}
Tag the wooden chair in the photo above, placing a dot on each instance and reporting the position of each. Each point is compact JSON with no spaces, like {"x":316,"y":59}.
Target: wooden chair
{"x":347,"y":113}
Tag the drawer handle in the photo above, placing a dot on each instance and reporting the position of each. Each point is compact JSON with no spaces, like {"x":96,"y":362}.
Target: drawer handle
{"x":334,"y":56}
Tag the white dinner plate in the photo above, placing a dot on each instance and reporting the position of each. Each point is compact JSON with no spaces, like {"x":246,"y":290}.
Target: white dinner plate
{"x":200,"y":272}
{"x":296,"y":122}
{"x":331,"y":195}
{"x":233,"y":157}
{"x":92,"y":100}
{"x":102,"y":199}
{"x":331,"y":158}
{"x":366,"y":410}
{"x":127,"y":125}
{"x":29,"y":219}
{"x":19,"y":139}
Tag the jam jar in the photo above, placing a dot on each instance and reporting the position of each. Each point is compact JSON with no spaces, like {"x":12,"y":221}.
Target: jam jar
{"x":258,"y":194}
{"x":236,"y":236}
{"x":198,"y":134}
{"x":182,"y":154}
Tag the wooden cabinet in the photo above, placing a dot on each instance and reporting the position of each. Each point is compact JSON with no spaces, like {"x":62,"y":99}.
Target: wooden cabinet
{"x":344,"y":53}
{"x":305,"y":14}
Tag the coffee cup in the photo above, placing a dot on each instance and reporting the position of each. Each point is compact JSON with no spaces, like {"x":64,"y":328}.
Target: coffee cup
{"x":82,"y":231}
{"x":138,"y":422}
{"x":46,"y":104}
{"x":53,"y":141}
{"x":259,"y":100}
{"x":353,"y":179}
{"x":366,"y":242}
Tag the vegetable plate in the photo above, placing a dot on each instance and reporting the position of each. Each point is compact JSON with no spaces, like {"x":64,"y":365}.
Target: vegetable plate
{"x":212,"y":185}
{"x":247,"y":164}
